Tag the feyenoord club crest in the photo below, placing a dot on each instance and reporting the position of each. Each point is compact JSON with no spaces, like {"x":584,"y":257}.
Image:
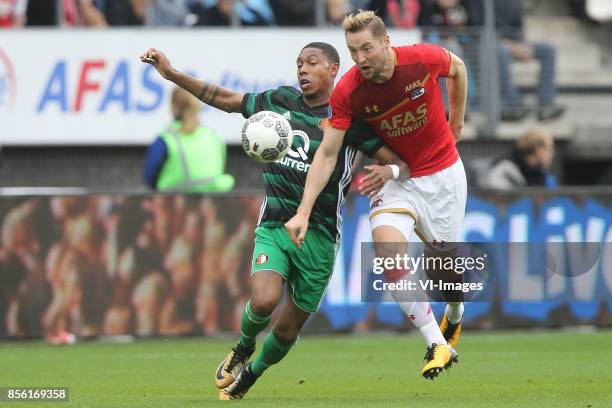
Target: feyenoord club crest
{"x":261,"y":259}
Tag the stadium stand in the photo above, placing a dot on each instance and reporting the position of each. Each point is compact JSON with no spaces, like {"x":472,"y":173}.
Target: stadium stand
{"x":584,"y":79}
{"x":89,"y":254}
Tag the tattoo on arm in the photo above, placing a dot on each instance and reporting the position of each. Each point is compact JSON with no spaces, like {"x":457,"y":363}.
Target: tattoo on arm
{"x":209,"y":94}
{"x":211,"y":101}
{"x":202,"y":93}
{"x":180,"y":83}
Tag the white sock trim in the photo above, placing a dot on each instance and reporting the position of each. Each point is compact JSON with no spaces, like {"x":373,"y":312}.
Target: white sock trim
{"x":431,"y":332}
{"x":454,"y":312}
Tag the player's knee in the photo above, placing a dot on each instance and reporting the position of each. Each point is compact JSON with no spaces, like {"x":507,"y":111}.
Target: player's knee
{"x":388,"y":233}
{"x":389,"y":249}
{"x":389,"y":241}
{"x":382,"y":250}
{"x":263,"y":304}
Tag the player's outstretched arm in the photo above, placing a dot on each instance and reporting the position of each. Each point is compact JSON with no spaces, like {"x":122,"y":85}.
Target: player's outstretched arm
{"x":393,"y":168}
{"x":457,"y":85}
{"x":211,"y":94}
{"x":319,"y":173}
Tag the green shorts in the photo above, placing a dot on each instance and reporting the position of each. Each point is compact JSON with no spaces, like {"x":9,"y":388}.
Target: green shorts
{"x":307,"y":269}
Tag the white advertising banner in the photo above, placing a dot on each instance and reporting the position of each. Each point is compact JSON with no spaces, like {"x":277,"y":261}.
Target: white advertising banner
{"x":84,"y":87}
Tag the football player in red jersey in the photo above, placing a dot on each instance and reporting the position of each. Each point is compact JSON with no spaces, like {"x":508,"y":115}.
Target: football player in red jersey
{"x":395,"y":90}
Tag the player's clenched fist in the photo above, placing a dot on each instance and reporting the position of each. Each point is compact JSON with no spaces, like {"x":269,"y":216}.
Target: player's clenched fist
{"x":157,"y":58}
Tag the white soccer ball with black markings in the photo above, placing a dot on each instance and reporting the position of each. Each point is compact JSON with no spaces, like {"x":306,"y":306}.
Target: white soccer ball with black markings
{"x":267,"y":136}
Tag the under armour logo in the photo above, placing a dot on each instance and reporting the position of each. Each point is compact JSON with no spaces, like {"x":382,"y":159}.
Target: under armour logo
{"x":371,"y":108}
{"x":412,"y":317}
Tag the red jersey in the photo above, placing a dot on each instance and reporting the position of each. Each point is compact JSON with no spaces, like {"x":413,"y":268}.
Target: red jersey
{"x":407,"y":111}
{"x":10,"y":10}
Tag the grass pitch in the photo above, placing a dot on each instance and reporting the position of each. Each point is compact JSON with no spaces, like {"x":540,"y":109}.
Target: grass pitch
{"x":508,"y":369}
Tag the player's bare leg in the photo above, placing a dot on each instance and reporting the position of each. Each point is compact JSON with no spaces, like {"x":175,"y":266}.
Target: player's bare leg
{"x":266,"y":292}
{"x":279,"y":341}
{"x":390,"y":241}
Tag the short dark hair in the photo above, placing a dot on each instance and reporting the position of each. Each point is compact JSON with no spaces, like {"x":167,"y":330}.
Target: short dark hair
{"x":328,"y":50}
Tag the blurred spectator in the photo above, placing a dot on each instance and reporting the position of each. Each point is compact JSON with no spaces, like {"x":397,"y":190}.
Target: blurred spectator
{"x":444,"y":22}
{"x":162,"y":219}
{"x":122,"y":12}
{"x":377,"y":6}
{"x":395,"y":13}
{"x":528,"y":165}
{"x":513,"y":47}
{"x":456,"y":14}
{"x":179,"y":262}
{"x":65,"y":268}
{"x":187,"y":156}
{"x":403,"y":13}
{"x":294,"y":13}
{"x":167,"y":12}
{"x":131,"y":258}
{"x":13,"y":273}
{"x":79,"y":13}
{"x":236,"y":259}
{"x":337,"y":10}
{"x":219,"y":12}
{"x":13,"y":13}
{"x":22,"y":288}
{"x":211,"y":279}
{"x":41,"y":13}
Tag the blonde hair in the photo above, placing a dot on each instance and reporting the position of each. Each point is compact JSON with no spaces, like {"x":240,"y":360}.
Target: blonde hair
{"x":534,"y":139}
{"x":187,"y":108}
{"x":354,"y":23}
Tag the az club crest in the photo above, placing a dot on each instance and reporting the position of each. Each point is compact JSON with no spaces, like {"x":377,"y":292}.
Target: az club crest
{"x":417,"y":93}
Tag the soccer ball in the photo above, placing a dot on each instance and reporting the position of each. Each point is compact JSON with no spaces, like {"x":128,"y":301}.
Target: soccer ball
{"x":267,"y":136}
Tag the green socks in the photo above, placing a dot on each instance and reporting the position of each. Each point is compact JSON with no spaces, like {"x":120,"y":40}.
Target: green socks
{"x":273,"y":351}
{"x":251,"y":325}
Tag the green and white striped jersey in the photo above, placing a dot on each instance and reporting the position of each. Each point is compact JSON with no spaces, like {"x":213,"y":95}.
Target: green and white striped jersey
{"x":284,"y":179}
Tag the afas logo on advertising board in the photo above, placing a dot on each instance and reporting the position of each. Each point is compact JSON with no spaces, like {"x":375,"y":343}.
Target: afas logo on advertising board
{"x":100,"y":85}
{"x":8,"y":81}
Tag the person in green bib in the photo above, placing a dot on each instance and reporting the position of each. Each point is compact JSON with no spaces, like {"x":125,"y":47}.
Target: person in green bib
{"x":186,"y":156}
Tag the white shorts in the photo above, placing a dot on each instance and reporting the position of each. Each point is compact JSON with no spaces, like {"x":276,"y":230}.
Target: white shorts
{"x":436,"y":203}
